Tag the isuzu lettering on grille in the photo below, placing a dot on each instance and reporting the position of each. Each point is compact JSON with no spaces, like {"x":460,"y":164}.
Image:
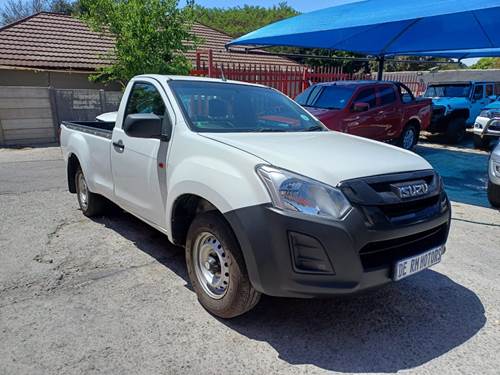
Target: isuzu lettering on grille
{"x":410,"y":189}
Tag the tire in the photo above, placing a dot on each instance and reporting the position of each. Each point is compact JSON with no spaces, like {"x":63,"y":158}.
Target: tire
{"x":455,"y":132}
{"x":409,"y":137}
{"x":481,"y":142}
{"x":211,"y":249}
{"x":494,"y":194}
{"x":90,"y":203}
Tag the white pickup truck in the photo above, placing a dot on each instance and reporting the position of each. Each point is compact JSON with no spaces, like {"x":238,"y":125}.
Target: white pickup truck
{"x":262,"y":196}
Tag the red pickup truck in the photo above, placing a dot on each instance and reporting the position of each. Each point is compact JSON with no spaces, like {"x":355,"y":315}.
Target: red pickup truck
{"x":381,"y":110}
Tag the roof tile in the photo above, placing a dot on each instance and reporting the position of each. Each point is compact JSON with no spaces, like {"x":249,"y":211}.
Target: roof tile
{"x":56,"y":41}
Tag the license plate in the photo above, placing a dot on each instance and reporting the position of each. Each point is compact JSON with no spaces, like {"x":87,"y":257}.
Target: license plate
{"x":417,"y":263}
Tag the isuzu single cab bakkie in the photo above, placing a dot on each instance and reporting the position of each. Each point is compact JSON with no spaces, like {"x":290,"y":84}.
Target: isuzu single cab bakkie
{"x":262,"y":196}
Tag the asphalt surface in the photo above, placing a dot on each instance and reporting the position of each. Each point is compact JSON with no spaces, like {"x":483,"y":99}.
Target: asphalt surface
{"x":111,"y":295}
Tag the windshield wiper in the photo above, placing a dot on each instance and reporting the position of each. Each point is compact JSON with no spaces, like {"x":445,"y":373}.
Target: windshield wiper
{"x":270,"y":130}
{"x":314,"y":128}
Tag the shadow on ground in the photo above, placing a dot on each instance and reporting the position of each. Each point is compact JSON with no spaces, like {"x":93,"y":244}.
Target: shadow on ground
{"x":401,"y":326}
{"x":465,"y":174}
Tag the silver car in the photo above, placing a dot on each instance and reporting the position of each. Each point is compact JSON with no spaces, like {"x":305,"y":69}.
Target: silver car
{"x":494,"y":177}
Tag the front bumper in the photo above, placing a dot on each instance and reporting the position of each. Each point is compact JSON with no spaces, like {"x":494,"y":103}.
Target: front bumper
{"x":487,"y":127}
{"x":283,"y":251}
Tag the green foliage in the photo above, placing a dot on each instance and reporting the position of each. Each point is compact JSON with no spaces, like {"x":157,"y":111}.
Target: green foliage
{"x":487,"y":63}
{"x":406,"y":64}
{"x":237,"y":21}
{"x":151,"y":36}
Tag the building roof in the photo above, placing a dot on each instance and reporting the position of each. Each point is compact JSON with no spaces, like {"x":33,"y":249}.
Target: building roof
{"x":62,"y":42}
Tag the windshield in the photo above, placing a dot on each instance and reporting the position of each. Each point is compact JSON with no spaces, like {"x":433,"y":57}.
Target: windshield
{"x":229,"y":107}
{"x":326,"y":97}
{"x":451,"y":91}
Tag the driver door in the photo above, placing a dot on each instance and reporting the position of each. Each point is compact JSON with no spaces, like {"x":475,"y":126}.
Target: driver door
{"x":139,"y":164}
{"x":363,"y":123}
{"x":478,"y":102}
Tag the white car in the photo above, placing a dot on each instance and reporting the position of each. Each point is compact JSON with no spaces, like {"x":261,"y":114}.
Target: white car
{"x":262,"y":196}
{"x":494,"y":177}
{"x":487,"y":125}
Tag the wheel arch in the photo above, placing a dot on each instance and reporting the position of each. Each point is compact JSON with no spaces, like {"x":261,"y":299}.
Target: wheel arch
{"x":460,"y":112}
{"x":415,"y":121}
{"x":184,"y":209}
{"x":72,"y":167}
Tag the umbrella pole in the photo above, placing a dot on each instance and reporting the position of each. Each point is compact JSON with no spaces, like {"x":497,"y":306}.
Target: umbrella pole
{"x":380,"y":72}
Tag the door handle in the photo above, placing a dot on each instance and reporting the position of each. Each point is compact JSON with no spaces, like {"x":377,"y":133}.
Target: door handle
{"x":119,"y":145}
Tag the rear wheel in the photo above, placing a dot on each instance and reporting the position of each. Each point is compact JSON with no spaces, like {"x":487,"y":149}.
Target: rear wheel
{"x":455,"y":132}
{"x":91,"y":204}
{"x":481,"y":142}
{"x":216,"y":267}
{"x":409,"y":137}
{"x":494,"y":194}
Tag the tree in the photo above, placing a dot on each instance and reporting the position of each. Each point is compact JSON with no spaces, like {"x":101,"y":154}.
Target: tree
{"x":64,"y":6}
{"x":151,"y":36}
{"x":487,"y":63}
{"x":17,"y":9}
{"x":239,"y":20}
{"x":14,"y":10}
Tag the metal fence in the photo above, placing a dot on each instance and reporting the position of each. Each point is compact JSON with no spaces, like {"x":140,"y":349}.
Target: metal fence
{"x":293,"y":79}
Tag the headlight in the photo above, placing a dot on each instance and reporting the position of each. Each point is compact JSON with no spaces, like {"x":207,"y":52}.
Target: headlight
{"x":296,"y":193}
{"x":495,"y":167}
{"x":488,"y":113}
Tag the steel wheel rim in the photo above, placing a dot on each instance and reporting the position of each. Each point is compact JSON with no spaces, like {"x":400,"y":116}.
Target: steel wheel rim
{"x":211,"y":265}
{"x":408,"y":139}
{"x":83,"y":191}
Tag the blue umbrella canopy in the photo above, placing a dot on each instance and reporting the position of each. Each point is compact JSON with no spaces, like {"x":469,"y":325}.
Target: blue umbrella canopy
{"x":447,"y":28}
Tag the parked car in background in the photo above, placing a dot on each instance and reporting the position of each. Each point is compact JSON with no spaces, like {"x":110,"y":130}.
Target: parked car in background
{"x":381,"y":110}
{"x":262,"y":196}
{"x":494,"y":177}
{"x":487,"y":125}
{"x":455,"y":106}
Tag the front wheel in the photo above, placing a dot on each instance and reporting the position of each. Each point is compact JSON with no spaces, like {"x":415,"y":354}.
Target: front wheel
{"x":455,"y":133}
{"x":409,"y":137}
{"x":494,"y":194}
{"x":481,"y":142}
{"x":216,"y":267}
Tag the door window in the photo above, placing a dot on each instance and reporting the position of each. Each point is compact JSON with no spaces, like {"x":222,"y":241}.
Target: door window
{"x":478,"y":92}
{"x":497,"y":89}
{"x":387,"y":95}
{"x":366,"y":96}
{"x":489,"y":90}
{"x":145,"y":98}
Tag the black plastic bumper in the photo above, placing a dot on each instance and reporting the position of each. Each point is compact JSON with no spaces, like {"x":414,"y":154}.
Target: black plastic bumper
{"x":360,"y":257}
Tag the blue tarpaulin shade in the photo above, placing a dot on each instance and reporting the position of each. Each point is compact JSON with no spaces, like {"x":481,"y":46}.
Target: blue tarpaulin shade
{"x":445,"y":28}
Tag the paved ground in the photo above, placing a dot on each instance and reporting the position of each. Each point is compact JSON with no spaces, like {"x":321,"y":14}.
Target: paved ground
{"x":111,"y":295}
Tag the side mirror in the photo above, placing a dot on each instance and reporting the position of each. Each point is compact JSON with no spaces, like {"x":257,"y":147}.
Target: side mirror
{"x":360,"y":107}
{"x":143,"y":125}
{"x":406,"y":98}
{"x":492,"y":98}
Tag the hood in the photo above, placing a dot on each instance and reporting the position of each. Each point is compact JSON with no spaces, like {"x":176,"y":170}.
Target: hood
{"x":329,"y":117}
{"x":493,"y":105}
{"x":329,"y":157}
{"x":451,"y":102}
{"x":321,"y":112}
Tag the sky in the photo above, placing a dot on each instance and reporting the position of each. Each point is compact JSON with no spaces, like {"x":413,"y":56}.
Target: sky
{"x":300,"y":5}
